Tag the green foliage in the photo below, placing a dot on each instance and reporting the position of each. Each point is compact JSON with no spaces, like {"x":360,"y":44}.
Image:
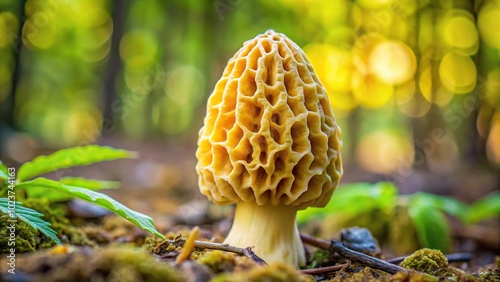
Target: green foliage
{"x":71,"y":187}
{"x":444,"y":203}
{"x":36,"y":191}
{"x":431,"y":226}
{"x":103,"y":200}
{"x":426,"y":211}
{"x":31,"y":217}
{"x":3,"y":172}
{"x":93,"y":184}
{"x":484,"y":208}
{"x":367,"y":196}
{"x":71,"y":157}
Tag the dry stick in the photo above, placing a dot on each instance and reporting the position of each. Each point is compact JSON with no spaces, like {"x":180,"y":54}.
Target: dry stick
{"x":335,"y":246}
{"x":228,"y":248}
{"x":322,"y":244}
{"x":365,"y":259}
{"x":456,"y":257}
{"x":323,"y":270}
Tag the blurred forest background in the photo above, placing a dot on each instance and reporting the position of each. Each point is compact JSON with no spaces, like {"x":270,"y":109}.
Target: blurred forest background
{"x":415,"y":85}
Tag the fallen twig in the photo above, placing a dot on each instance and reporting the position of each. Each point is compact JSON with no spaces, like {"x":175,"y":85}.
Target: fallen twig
{"x":324,"y":270}
{"x":337,"y":247}
{"x":365,"y":259}
{"x":456,"y":257}
{"x":228,"y":248}
{"x":322,"y":244}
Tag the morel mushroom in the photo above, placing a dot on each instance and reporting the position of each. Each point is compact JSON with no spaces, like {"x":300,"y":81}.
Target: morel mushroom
{"x":270,"y":144}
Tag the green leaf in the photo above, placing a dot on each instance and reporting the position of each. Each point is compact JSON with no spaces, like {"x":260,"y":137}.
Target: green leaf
{"x":444,"y":203}
{"x":30,"y":216}
{"x":431,"y":226}
{"x":354,"y":199}
{"x":143,"y":221}
{"x":34,"y":191}
{"x":4,"y":172}
{"x":92,"y":184}
{"x":71,"y":157}
{"x":40,"y":192}
{"x":485,"y":208}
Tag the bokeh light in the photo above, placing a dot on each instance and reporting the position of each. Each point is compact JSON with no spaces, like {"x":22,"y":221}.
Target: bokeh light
{"x":8,"y":28}
{"x":371,"y":92}
{"x":406,"y":64}
{"x":493,"y":143}
{"x":491,"y":88}
{"x":138,"y":49}
{"x":458,"y":72}
{"x":334,"y":67}
{"x":384,"y":152}
{"x":489,"y":24}
{"x":459,"y":31}
{"x":392,"y":62}
{"x":184,"y":89}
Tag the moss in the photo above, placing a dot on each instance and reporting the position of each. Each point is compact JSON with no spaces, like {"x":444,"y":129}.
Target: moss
{"x":51,"y":212}
{"x":368,"y":274}
{"x":85,"y":264}
{"x":160,"y":247}
{"x":54,"y":214}
{"x":356,"y":272}
{"x":218,"y":261}
{"x":29,"y":239}
{"x":433,"y":262}
{"x":150,"y":243}
{"x":412,"y":276}
{"x":492,"y":273}
{"x":133,"y":265}
{"x":274,"y":272}
{"x":25,"y":239}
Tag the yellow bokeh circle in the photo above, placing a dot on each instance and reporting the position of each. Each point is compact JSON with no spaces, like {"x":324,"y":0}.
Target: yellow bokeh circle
{"x":460,"y":32}
{"x":393,"y":62}
{"x":384,"y":152}
{"x":334,"y":68}
{"x":369,"y":91}
{"x":40,"y":33}
{"x":458,"y":72}
{"x":489,"y":25}
{"x":138,"y":49}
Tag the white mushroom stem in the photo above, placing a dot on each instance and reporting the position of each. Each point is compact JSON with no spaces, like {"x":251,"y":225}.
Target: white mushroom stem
{"x":271,"y":230}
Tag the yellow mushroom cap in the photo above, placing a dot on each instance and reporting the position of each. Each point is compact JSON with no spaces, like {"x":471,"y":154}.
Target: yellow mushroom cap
{"x":269,"y":135}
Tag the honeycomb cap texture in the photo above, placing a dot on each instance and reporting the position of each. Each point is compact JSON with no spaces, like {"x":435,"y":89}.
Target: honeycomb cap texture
{"x":269,"y":135}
